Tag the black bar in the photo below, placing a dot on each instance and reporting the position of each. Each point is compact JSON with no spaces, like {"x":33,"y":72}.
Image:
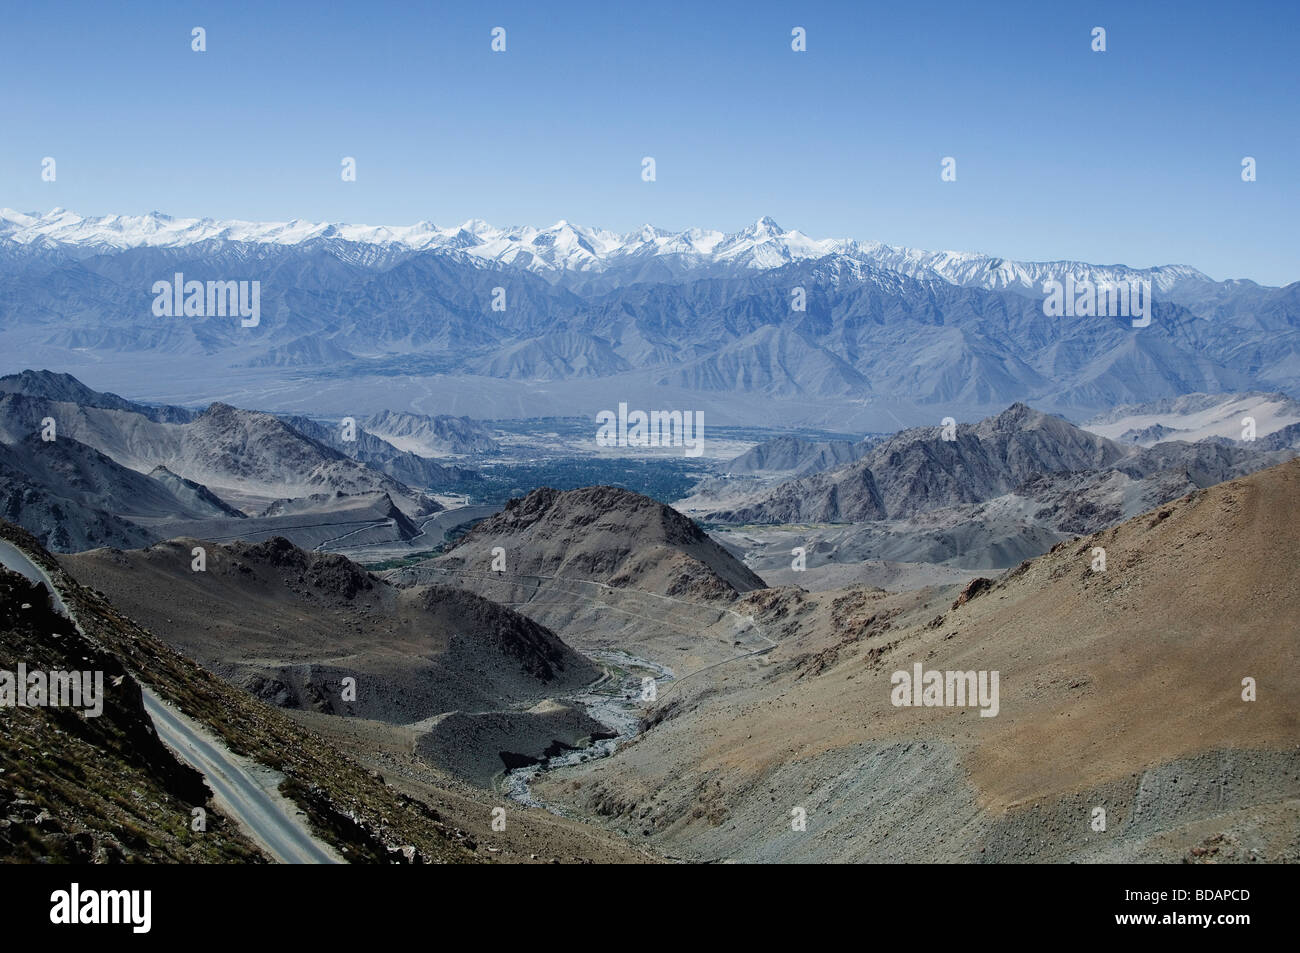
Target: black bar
{"x":331,"y":904}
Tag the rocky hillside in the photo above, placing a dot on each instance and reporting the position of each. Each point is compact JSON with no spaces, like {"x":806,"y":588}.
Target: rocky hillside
{"x":606,"y":535}
{"x":917,"y":471}
{"x":64,"y":388}
{"x":73,"y":497}
{"x":410,"y":468}
{"x":797,"y":455}
{"x":112,"y":794}
{"x":198,"y":498}
{"x":1162,"y":690}
{"x":290,"y":625}
{"x":432,"y":435}
{"x":242,"y":456}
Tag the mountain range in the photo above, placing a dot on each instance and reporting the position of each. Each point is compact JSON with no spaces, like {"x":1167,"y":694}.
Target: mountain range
{"x":570,"y":320}
{"x":564,"y":249}
{"x":993,"y":494}
{"x":124,"y":474}
{"x":922,"y":469}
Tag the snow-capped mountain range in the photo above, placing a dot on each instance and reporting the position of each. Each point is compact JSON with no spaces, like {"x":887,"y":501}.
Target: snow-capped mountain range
{"x":359,"y":319}
{"x":566,"y":249}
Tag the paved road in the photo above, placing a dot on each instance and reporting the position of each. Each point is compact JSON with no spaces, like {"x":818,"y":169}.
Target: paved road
{"x":11,"y":557}
{"x":268,"y":818}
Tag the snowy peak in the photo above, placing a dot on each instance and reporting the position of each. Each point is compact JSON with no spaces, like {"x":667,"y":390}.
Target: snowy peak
{"x":565,"y":247}
{"x":765,"y":227}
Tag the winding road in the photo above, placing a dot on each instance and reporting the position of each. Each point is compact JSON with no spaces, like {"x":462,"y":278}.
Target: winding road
{"x":243,"y":790}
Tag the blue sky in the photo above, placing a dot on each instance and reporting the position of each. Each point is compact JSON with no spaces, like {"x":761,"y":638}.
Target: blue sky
{"x":1129,"y":156}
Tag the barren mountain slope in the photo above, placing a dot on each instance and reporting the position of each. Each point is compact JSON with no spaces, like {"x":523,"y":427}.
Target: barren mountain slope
{"x":618,"y":573}
{"x":289,"y":625}
{"x":64,"y":387}
{"x":96,"y":786}
{"x":431,"y":436}
{"x":245,"y":457}
{"x":70,"y":469}
{"x":918,"y":469}
{"x":73,"y":497}
{"x":789,"y":453}
{"x":378,"y":454}
{"x":1119,"y":690}
{"x":1197,"y":416}
{"x":112,"y":791}
{"x":607,"y":535}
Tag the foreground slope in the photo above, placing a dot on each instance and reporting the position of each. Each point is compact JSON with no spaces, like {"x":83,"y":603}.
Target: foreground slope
{"x":289,"y":625}
{"x":473,"y":685}
{"x":91,"y":778}
{"x":1119,"y":689}
{"x":84,"y":788}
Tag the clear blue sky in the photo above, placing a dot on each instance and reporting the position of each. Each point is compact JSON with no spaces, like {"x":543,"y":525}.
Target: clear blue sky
{"x":1129,"y":156}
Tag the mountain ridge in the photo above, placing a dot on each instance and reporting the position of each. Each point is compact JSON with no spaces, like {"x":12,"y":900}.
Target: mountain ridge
{"x":921,"y":469}
{"x":563,"y":246}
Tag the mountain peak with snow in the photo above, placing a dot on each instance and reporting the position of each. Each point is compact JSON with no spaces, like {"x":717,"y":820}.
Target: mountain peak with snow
{"x":565,"y":247}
